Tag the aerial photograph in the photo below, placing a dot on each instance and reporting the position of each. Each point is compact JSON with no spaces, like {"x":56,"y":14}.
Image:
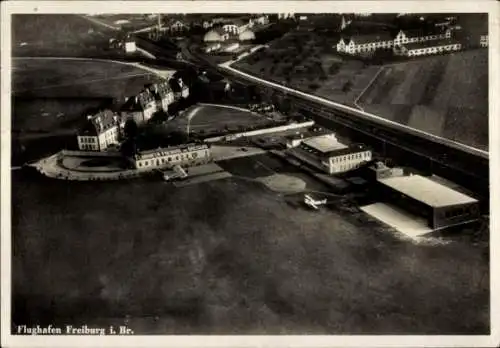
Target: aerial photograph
{"x":250,"y":174}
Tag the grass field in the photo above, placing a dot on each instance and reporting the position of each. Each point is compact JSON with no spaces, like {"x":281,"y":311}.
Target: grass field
{"x":228,"y":257}
{"x":446,"y":96}
{"x":57,"y":34}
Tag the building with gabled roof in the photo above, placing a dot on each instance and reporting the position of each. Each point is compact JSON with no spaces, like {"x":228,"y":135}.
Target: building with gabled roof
{"x":99,"y":131}
{"x":163,"y":94}
{"x":181,"y":90}
{"x":365,"y":42}
{"x":140,"y":107}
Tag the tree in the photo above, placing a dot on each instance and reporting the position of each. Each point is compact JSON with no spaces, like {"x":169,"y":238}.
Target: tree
{"x":131,"y":129}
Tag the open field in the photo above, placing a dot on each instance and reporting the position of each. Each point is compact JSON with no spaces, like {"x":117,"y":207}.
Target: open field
{"x":57,"y":35}
{"x":51,"y":97}
{"x":213,"y":257}
{"x":207,"y":119}
{"x":446,"y":96}
{"x":127,"y":21}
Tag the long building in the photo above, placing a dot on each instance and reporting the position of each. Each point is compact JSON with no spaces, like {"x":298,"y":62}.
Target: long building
{"x":442,"y":206}
{"x":164,"y":158}
{"x":326,"y":153}
{"x":416,"y":49}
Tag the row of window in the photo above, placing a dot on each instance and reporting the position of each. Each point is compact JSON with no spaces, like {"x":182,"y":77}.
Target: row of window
{"x":88,"y":147}
{"x":354,"y":156}
{"x":405,"y":39}
{"x":88,"y":140}
{"x":347,"y":166}
{"x":427,"y":50}
{"x":453,"y":213}
{"x":164,"y":160}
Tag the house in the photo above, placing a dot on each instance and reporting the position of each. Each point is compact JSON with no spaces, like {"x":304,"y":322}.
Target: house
{"x":179,"y":88}
{"x":140,"y":108}
{"x":288,"y":15}
{"x":163,"y":158}
{"x":207,"y":24}
{"x":99,"y":131}
{"x":326,"y":153}
{"x":130,"y":46}
{"x":365,"y":43}
{"x":175,"y":25}
{"x":216,"y":35}
{"x":163,"y":94}
{"x":483,"y":40}
{"x":415,"y":49}
{"x":235,"y":26}
{"x":258,"y":20}
{"x":212,"y":47}
{"x":247,"y":35}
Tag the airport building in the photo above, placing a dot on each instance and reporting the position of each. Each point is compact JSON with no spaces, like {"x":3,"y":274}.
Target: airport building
{"x":325,"y":152}
{"x":99,"y":131}
{"x":440,"y":205}
{"x":163,"y":158}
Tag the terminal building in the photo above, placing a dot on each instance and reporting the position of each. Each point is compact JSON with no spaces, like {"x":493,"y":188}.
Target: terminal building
{"x":440,"y":205}
{"x":326,"y":153}
{"x":163,"y":158}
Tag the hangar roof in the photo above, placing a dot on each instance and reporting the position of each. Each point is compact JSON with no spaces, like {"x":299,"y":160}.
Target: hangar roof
{"x":427,"y":191}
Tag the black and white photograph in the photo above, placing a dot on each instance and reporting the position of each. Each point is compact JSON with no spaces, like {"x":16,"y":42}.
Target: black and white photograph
{"x":237,"y":169}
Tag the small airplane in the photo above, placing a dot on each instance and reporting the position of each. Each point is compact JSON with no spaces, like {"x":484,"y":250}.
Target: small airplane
{"x":311,"y":202}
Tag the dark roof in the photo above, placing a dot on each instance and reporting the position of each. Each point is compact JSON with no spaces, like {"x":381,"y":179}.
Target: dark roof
{"x":355,"y":148}
{"x":160,"y":90}
{"x":174,"y":84}
{"x":376,"y":37}
{"x":431,"y":43}
{"x":98,"y":123}
{"x":419,"y":32}
{"x":140,"y":101}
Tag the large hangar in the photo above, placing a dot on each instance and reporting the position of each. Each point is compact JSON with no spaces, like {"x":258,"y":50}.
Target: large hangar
{"x":440,"y":205}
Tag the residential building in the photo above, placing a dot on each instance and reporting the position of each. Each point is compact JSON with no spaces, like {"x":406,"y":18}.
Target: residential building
{"x":207,"y":24}
{"x":235,"y":26}
{"x":428,"y":48}
{"x":181,"y":90}
{"x":175,"y":25}
{"x":140,"y":108}
{"x":216,"y":35}
{"x":163,"y":94}
{"x":288,"y":15}
{"x":163,"y":158}
{"x":130,"y":46}
{"x":440,"y":205}
{"x":247,"y":35}
{"x":483,"y":41}
{"x":212,"y":47}
{"x":419,"y":35}
{"x":99,"y":131}
{"x":365,"y":43}
{"x":326,"y":153}
{"x":258,"y":20}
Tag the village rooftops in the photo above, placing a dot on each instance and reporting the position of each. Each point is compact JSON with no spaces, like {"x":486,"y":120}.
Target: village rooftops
{"x":429,"y":44}
{"x":422,"y":32}
{"x":236,"y":21}
{"x":140,"y":101}
{"x":99,"y":123}
{"x":160,"y":90}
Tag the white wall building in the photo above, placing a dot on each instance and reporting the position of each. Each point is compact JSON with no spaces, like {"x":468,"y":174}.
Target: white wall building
{"x":130,"y":46}
{"x":140,"y":108}
{"x":99,"y":132}
{"x":236,"y":26}
{"x":427,"y":48}
{"x":163,"y":158}
{"x":325,"y":152}
{"x":483,"y":41}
